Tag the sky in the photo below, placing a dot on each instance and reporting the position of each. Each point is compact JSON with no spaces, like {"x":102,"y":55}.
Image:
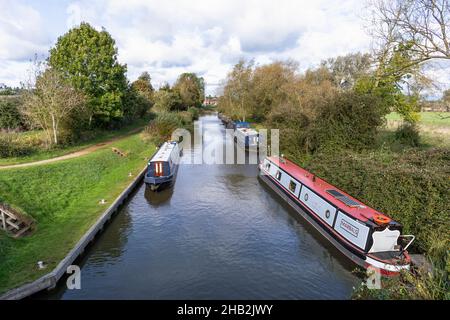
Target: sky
{"x":169,"y":37}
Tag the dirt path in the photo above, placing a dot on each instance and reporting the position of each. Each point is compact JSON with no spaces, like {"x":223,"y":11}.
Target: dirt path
{"x":72,"y":155}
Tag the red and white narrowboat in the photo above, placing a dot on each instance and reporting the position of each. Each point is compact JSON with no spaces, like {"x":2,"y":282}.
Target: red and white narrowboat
{"x":364,"y":235}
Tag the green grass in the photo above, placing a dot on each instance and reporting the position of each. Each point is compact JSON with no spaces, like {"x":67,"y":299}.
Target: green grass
{"x":92,"y":138}
{"x":439,"y":119}
{"x":63,"y":199}
{"x":386,"y":140}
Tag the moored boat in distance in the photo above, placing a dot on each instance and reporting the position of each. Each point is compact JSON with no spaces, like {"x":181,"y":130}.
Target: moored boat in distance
{"x":162,"y":168}
{"x":367,"y":237}
{"x":225,"y":119}
{"x":244,"y":136}
{"x":247,"y":138}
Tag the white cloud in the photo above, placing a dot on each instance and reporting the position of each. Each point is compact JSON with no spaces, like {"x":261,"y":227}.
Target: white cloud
{"x":21,"y":32}
{"x":14,"y":72}
{"x":167,"y":38}
{"x":208,"y":37}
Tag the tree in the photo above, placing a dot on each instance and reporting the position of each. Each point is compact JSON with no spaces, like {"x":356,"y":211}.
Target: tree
{"x":8,"y":91}
{"x":10,"y":117}
{"x":52,"y":103}
{"x":136,"y":105}
{"x":422,"y":25}
{"x":446,"y":97}
{"x":144,"y":86}
{"x":165,"y":87}
{"x":391,"y":80}
{"x":166,"y":101}
{"x":237,"y":99}
{"x":346,"y":70}
{"x":271,"y":86}
{"x":88,"y":59}
{"x":191,"y":89}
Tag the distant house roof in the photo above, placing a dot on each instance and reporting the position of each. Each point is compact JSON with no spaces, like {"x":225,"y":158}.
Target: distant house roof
{"x":210,"y":100}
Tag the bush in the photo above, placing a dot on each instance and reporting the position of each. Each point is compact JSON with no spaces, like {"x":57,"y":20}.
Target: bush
{"x":414,"y":285}
{"x":10,"y":147}
{"x":349,"y":120}
{"x":345,"y":120}
{"x":162,"y":127}
{"x":186,"y":117}
{"x":408,"y":134}
{"x":194,"y":112}
{"x":166,"y":101}
{"x":10,"y":117}
{"x":291,"y":121}
{"x":418,"y":283}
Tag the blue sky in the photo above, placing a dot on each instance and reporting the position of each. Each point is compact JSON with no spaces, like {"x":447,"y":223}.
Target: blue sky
{"x":169,"y":37}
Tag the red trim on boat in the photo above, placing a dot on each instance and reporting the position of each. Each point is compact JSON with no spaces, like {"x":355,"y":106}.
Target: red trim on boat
{"x":321,"y":186}
{"x":306,"y":178}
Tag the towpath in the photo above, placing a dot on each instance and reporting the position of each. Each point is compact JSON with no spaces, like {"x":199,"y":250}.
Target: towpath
{"x":71,"y":155}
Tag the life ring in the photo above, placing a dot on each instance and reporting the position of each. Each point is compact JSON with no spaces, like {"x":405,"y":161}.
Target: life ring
{"x":381,"y":219}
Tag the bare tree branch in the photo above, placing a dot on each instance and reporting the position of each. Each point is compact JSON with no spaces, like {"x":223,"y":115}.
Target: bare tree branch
{"x":424,"y":23}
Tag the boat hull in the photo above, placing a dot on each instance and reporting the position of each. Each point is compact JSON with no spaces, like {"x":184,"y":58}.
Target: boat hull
{"x":360,"y":258}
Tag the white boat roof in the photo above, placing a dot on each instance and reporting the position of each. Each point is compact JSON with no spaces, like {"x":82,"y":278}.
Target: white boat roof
{"x":248,"y":131}
{"x":164,"y":152}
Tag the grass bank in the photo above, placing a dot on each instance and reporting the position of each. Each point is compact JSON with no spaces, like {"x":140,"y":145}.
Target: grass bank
{"x":426,"y":118}
{"x":63,"y":198}
{"x":33,"y":140}
{"x":434,"y":127}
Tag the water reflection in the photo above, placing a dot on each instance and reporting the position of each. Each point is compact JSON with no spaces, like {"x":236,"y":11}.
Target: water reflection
{"x":155,"y":198}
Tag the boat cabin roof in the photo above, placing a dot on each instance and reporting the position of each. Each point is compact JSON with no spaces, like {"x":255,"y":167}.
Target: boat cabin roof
{"x":337,"y":197}
{"x":248,"y":131}
{"x":242,"y":124}
{"x":164,"y":152}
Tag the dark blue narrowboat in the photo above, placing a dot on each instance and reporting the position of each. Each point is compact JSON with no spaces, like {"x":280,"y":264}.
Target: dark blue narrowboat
{"x":163,"y":166}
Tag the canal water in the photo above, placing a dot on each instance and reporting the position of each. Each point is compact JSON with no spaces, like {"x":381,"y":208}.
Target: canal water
{"x":218,"y":234}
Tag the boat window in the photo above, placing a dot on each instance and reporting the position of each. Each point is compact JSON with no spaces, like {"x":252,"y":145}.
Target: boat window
{"x":267,"y":166}
{"x":327,"y":214}
{"x":306,"y":197}
{"x":292,"y":186}
{"x":158,"y":169}
{"x":278,"y":175}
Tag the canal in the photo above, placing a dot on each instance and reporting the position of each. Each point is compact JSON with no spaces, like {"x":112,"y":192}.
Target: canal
{"x":218,"y":234}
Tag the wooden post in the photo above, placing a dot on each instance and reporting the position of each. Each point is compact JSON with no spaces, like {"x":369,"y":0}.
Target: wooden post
{"x":3,"y":219}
